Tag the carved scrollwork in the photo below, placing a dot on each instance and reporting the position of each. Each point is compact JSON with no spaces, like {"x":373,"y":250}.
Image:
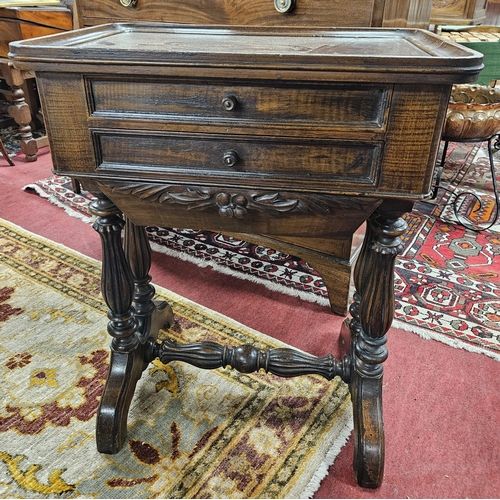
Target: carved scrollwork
{"x":444,"y":4}
{"x":229,"y":204}
{"x":235,"y":203}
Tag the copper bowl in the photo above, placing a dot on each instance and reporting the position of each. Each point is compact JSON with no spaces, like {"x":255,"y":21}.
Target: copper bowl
{"x":473,"y":113}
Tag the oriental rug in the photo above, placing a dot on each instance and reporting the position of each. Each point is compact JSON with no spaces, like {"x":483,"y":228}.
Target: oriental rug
{"x":192,"y":433}
{"x":447,"y":278}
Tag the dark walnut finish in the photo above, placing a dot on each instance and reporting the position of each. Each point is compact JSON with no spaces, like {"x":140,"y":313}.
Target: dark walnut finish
{"x":339,"y":256}
{"x":284,"y":134}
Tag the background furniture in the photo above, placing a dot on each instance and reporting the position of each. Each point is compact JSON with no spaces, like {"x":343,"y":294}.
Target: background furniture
{"x":21,"y":23}
{"x":4,"y":153}
{"x":484,"y":39}
{"x":458,"y":12}
{"x":307,"y":13}
{"x":278,"y":133}
{"x":493,"y":13}
{"x":473,"y":116}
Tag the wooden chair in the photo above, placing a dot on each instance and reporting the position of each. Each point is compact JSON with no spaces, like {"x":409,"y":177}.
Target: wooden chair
{"x":21,"y":23}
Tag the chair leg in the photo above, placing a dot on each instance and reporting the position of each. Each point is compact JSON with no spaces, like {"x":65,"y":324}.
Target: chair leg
{"x":4,"y":153}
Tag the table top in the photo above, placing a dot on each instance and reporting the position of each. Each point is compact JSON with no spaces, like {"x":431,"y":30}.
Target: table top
{"x":387,"y":51}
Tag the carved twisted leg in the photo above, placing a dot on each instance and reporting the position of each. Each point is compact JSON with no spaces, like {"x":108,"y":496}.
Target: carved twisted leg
{"x":372,"y":313}
{"x":128,"y":352}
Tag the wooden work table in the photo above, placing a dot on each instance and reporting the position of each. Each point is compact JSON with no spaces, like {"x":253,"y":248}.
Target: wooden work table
{"x":295,"y":136}
{"x":278,"y":13}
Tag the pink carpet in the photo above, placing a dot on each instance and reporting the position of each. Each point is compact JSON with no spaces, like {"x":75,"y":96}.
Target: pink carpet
{"x":441,"y":404}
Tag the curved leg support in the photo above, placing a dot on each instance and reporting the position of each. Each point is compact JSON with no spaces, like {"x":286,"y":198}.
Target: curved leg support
{"x":372,"y":314}
{"x":122,"y":289}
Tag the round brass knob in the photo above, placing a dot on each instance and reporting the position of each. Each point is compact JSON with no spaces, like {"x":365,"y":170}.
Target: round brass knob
{"x":129,"y":3}
{"x":229,"y":103}
{"x":230,"y":158}
{"x":283,"y":6}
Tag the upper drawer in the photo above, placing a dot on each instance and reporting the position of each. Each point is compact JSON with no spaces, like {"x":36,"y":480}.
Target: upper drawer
{"x":229,"y":12}
{"x":326,"y":106}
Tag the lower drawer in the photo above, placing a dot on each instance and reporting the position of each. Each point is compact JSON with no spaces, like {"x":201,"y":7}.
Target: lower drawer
{"x":211,"y":159}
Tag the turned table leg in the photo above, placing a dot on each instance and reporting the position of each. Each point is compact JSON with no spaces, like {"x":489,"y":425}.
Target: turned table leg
{"x":150,"y":315}
{"x":372,"y":313}
{"x":20,"y":111}
{"x":122,"y":288}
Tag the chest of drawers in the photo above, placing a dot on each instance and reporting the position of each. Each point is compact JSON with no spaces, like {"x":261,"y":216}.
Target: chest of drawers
{"x":293,"y":134}
{"x":297,"y":13}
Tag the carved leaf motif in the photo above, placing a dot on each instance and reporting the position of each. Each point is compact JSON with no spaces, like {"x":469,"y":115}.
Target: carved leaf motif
{"x":202,"y":198}
{"x":186,"y":196}
{"x":144,"y":191}
{"x":276,"y":202}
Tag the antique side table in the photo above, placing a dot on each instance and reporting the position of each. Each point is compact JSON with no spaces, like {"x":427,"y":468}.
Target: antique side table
{"x":288,"y":133}
{"x":337,"y":258}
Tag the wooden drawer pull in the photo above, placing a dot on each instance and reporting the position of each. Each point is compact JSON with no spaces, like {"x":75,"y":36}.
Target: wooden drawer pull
{"x":229,"y":103}
{"x":231,"y":158}
{"x":284,"y":6}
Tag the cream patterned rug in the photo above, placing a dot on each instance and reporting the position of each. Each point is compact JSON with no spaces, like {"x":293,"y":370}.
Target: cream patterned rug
{"x":192,"y":433}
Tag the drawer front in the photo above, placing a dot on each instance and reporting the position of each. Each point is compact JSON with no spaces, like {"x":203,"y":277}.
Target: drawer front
{"x":229,"y":12}
{"x":314,"y":165}
{"x":327,"y":106}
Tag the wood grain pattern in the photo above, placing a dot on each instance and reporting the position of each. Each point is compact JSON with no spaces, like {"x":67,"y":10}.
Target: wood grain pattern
{"x":356,"y":13}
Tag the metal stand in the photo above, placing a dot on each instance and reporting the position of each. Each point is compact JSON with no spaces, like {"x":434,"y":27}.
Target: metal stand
{"x":493,"y":144}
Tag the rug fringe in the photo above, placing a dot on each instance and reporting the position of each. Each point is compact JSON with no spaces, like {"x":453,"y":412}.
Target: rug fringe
{"x":55,"y":201}
{"x":329,"y":460}
{"x":306,"y":296}
{"x":457,"y":344}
